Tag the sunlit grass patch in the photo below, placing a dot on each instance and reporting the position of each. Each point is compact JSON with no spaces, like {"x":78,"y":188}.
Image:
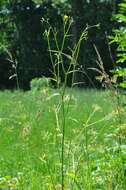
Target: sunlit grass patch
{"x":30,"y":141}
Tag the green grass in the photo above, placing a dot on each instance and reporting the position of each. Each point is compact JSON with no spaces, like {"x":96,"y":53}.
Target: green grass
{"x":30,"y":141}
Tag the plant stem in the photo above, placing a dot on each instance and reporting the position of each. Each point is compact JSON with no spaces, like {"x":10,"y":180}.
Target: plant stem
{"x":63,"y":131}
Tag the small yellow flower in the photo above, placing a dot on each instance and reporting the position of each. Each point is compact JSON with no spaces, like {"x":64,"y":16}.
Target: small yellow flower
{"x":66,"y":18}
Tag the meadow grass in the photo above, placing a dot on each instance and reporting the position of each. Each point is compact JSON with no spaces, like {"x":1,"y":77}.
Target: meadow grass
{"x":30,"y":141}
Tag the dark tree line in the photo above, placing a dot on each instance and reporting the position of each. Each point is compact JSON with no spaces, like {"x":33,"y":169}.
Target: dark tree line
{"x":21,"y":32}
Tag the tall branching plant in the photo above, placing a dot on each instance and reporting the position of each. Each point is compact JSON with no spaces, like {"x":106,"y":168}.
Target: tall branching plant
{"x":58,"y":57}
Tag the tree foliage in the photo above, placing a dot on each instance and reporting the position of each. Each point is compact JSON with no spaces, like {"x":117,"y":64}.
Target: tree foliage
{"x":120,"y":39}
{"x":22,"y":34}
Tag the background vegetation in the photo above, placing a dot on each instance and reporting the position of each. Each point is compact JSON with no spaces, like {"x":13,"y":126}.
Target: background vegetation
{"x":21,"y":33}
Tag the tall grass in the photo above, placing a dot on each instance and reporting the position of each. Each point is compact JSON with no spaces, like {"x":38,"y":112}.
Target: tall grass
{"x":31,"y":139}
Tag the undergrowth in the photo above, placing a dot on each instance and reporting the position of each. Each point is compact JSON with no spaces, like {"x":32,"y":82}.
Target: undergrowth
{"x":30,"y":148}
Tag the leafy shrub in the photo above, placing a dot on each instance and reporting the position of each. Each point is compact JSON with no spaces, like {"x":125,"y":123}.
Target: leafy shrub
{"x":40,"y":83}
{"x":120,"y":39}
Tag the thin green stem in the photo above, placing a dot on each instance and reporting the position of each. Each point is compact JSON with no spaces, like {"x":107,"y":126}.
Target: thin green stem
{"x":63,"y":131}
